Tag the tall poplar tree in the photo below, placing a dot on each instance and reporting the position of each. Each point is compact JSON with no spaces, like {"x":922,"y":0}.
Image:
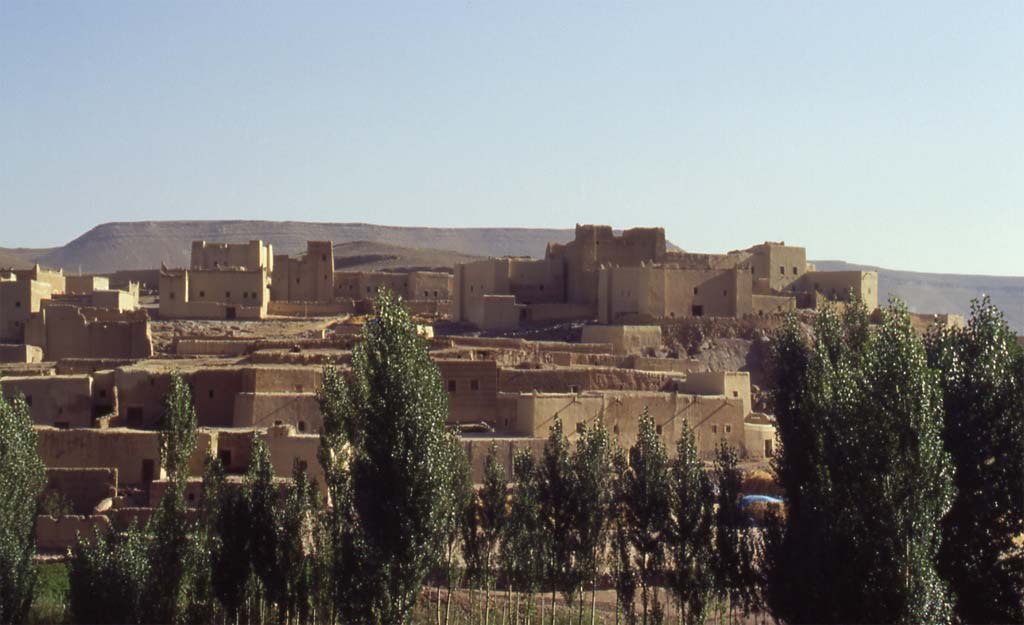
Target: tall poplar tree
{"x":981,"y":370}
{"x":392,"y":412}
{"x":690,"y":531}
{"x":646,"y":494}
{"x":22,"y":479}
{"x":866,"y":478}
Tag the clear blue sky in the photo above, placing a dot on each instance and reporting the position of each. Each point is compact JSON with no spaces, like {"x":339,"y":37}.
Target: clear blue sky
{"x":889,"y":133}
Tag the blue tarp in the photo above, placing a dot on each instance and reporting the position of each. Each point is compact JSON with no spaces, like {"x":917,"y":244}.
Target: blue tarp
{"x":749,"y":499}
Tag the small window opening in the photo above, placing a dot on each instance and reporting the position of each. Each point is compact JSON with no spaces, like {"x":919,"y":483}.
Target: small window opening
{"x":794,"y":271}
{"x":211,"y":393}
{"x":227,"y":294}
{"x":657,"y":429}
{"x":696,"y":290}
{"x":303,"y":465}
{"x":451,"y":386}
{"x":714,"y":429}
{"x":302,"y":426}
{"x":728,"y":429}
{"x":782,"y":270}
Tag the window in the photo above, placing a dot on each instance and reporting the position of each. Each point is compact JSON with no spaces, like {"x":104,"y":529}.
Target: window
{"x":28,"y":400}
{"x":615,"y":429}
{"x":435,"y":294}
{"x":227,"y":294}
{"x":725,"y":293}
{"x":225,"y":457}
{"x":426,"y":294}
{"x":303,"y":465}
{"x":171,"y":296}
{"x":696,"y":290}
{"x":245,"y":294}
{"x":367,"y":289}
{"x":794,"y":271}
{"x":714,"y":429}
{"x":697,"y":311}
{"x":211,"y":393}
{"x":298,"y":280}
{"x":134,"y":416}
{"x":451,"y":386}
{"x":278,"y":422}
{"x":657,"y":429}
{"x":735,"y":393}
{"x":302,"y":426}
{"x":782,"y":270}
{"x":202,"y":293}
{"x":728,"y":429}
{"x":574,"y":389}
{"x":474,"y":385}
{"x":323,"y":257}
{"x":17,"y":304}
{"x":147,"y":470}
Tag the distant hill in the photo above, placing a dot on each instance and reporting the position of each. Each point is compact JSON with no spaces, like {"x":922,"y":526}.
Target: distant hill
{"x":146,"y":244}
{"x":942,"y":292}
{"x":373,"y":256}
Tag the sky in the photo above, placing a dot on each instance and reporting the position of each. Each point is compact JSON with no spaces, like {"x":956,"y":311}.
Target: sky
{"x":883,"y":133}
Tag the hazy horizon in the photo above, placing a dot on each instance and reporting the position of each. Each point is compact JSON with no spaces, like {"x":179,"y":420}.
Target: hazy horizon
{"x":881,"y":135}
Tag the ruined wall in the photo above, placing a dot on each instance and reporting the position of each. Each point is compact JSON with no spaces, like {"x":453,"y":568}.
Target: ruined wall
{"x":300,"y":410}
{"x":73,"y":332}
{"x":772,"y":304}
{"x":58,"y":535}
{"x":732,"y":384}
{"x":289,"y":449}
{"x":134,"y":453}
{"x":711,"y":418}
{"x":252,"y":256}
{"x":82,"y":487}
{"x":17,"y":352}
{"x":309,"y":278}
{"x":86,"y":284}
{"x":594,"y":246}
{"x":838,"y":285}
{"x":57,"y":400}
{"x":624,"y":339}
{"x":580,"y":378}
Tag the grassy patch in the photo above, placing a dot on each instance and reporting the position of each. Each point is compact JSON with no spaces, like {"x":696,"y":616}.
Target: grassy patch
{"x":50,"y":603}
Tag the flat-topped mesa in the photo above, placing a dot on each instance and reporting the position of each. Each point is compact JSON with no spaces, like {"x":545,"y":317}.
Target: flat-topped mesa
{"x":632,"y":278}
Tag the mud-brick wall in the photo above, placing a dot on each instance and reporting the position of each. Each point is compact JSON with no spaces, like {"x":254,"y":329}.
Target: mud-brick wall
{"x":83,"y":487}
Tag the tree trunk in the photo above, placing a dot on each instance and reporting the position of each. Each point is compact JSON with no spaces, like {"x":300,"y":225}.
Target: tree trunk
{"x":593,"y":601}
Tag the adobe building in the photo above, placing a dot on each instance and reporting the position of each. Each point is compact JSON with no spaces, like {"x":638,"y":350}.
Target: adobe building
{"x":19,"y":298}
{"x":632,"y":278}
{"x":232,"y":293}
{"x":66,"y":331}
{"x":308,"y":278}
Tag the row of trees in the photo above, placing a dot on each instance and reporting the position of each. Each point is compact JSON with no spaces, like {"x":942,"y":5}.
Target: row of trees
{"x":902,"y":463}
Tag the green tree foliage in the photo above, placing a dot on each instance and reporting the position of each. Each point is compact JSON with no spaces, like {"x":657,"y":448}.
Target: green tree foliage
{"x":109,"y":578}
{"x":982,"y":376}
{"x":591,"y":504}
{"x":226,"y":528}
{"x":22,"y":479}
{"x":493,"y":514}
{"x":624,"y":575}
{"x":522,"y":547}
{"x":690,"y":531}
{"x":864,"y":471}
{"x":392,"y":412}
{"x":263,"y":509}
{"x":555,"y":478}
{"x":172,"y":543}
{"x":646,"y":503}
{"x":461,"y":493}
